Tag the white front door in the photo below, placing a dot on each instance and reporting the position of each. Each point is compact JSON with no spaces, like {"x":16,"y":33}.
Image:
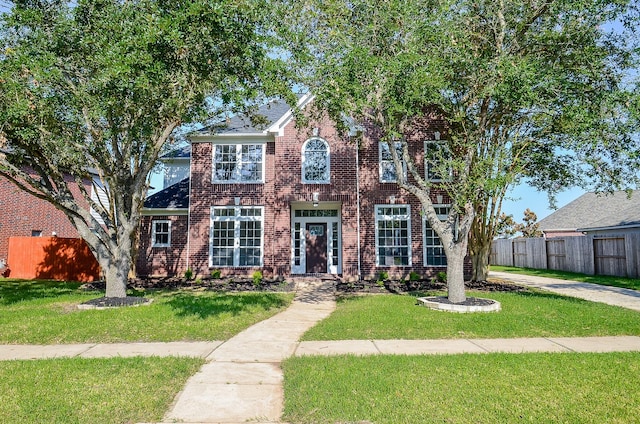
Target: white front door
{"x":315,"y":240}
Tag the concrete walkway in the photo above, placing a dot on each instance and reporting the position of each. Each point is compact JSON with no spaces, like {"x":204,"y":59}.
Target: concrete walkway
{"x":594,"y":292}
{"x":242,"y":379}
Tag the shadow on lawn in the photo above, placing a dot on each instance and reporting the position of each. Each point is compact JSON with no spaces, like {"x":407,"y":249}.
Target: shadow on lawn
{"x":14,"y":291}
{"x":186,"y":304}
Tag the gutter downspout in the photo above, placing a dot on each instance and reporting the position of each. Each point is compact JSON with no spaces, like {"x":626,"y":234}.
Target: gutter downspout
{"x":189,"y":208}
{"x":358,"y":206}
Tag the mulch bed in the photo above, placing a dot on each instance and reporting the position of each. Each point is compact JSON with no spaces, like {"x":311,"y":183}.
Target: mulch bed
{"x":115,"y":302}
{"x":393,"y":286}
{"x":243,"y":285}
{"x":176,"y":283}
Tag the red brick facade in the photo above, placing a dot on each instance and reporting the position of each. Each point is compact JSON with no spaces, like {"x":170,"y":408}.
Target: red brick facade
{"x":23,"y":215}
{"x":354,"y":191}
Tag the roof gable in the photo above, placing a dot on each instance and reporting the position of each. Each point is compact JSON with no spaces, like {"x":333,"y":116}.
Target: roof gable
{"x":277,"y":114}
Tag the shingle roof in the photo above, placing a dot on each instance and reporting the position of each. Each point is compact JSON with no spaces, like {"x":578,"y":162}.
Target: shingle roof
{"x":175,"y":196}
{"x":593,"y":210}
{"x":241,"y":124}
{"x":183,"y":152}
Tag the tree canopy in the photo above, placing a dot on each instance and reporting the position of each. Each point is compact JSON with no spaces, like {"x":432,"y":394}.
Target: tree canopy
{"x":529,"y":89}
{"x":95,"y":89}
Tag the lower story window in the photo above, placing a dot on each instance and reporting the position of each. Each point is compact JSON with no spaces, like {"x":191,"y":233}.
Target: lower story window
{"x":236,"y":236}
{"x":393,"y":235}
{"x":433,"y":249}
{"x":161,"y":233}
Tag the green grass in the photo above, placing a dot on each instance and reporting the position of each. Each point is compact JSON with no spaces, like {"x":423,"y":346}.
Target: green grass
{"x":70,"y":391}
{"x":45,"y":312}
{"x":524,"y":314}
{"x":605,"y":280}
{"x":491,"y":388}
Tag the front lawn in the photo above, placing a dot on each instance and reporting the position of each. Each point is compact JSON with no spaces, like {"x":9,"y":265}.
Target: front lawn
{"x":46,"y":312}
{"x":116,"y":390}
{"x":487,"y":388}
{"x":529,"y":313}
{"x":605,"y":280}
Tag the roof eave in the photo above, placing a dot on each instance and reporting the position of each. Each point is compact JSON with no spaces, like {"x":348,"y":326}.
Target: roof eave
{"x":613,"y":227}
{"x":277,"y":128}
{"x":164,"y":211}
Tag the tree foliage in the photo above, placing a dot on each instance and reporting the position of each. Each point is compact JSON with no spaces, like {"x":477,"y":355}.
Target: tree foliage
{"x":529,"y":89}
{"x":94,"y":89}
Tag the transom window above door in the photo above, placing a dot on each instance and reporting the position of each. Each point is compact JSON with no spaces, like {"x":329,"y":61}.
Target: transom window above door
{"x":315,"y":161}
{"x":238,"y":163}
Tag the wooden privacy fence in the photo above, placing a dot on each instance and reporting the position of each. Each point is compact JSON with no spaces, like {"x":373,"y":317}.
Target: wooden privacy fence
{"x":595,"y":255}
{"x":51,"y":258}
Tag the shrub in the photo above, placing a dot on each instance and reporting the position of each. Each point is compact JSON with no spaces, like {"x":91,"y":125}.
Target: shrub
{"x":188,"y":274}
{"x":257,"y":278}
{"x":383,"y":275}
{"x":442,"y":277}
{"x":414,"y":276}
{"x":216,"y":274}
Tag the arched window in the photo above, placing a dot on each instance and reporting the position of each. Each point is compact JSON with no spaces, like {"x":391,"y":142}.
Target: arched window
{"x":315,"y":161}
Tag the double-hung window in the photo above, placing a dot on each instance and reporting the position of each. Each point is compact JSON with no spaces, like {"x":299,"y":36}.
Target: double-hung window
{"x":236,"y":236}
{"x":315,"y":161}
{"x":161,"y":233}
{"x":387,"y":168}
{"x":238,"y":163}
{"x":433,"y":249}
{"x":393,"y":235}
{"x":436,"y":154}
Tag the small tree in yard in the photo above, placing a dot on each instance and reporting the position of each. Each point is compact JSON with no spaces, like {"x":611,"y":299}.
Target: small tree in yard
{"x":96,"y":88}
{"x":527,"y":88}
{"x":529,"y":227}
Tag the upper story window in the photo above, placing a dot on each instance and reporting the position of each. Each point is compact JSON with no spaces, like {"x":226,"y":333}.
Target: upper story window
{"x":161,"y":233}
{"x":315,"y":161}
{"x":238,"y":163}
{"x":387,"y":167}
{"x":435,"y":153}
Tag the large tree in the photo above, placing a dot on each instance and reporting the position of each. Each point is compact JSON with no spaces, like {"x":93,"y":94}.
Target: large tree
{"x":95,"y":88}
{"x":528,"y":88}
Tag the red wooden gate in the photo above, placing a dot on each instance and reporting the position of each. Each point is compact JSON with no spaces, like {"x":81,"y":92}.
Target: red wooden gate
{"x":51,"y":258}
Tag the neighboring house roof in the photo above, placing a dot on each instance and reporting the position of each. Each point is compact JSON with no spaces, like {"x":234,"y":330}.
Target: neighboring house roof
{"x":595,"y":211}
{"x":172,"y":197}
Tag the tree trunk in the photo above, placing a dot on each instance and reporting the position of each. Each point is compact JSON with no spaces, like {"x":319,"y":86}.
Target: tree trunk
{"x":455,"y":272}
{"x":116,"y":276}
{"x":480,"y":261}
{"x":116,"y":266}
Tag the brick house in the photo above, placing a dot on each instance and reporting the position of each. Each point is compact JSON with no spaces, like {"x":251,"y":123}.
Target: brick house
{"x":291,"y":201}
{"x":24,"y":215}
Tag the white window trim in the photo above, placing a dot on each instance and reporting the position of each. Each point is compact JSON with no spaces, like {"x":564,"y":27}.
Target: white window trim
{"x":381,"y":161}
{"x":329,"y":220}
{"x":236,"y":179}
{"x":427,"y":159}
{"x":236,"y":218}
{"x":406,"y":217}
{"x":441,"y":217}
{"x":327,"y":159}
{"x":154,"y":232}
